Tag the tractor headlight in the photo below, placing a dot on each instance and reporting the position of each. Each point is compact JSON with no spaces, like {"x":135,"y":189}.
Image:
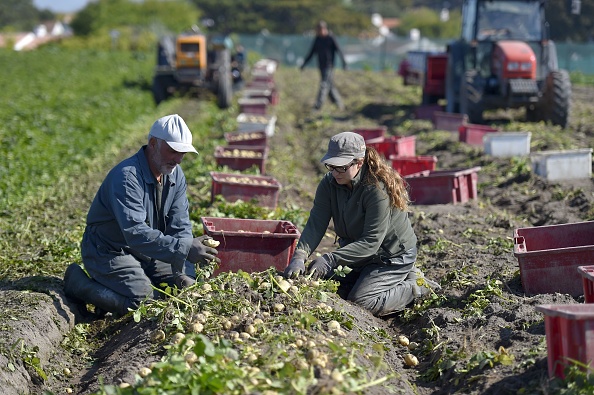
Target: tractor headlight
{"x":526,"y":66}
{"x":513,"y":66}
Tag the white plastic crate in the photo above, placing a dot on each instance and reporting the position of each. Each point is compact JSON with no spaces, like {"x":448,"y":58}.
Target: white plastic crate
{"x":256,"y":122}
{"x":563,"y":165}
{"x":507,"y":144}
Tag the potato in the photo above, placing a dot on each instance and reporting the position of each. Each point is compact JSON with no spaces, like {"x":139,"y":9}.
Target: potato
{"x":157,"y":336}
{"x":410,"y":360}
{"x":191,"y":357}
{"x":177,"y":338}
{"x":211,"y":243}
{"x":144,"y":372}
{"x":403,"y":340}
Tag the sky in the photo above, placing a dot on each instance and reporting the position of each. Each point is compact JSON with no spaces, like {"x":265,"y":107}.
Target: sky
{"x":60,"y":6}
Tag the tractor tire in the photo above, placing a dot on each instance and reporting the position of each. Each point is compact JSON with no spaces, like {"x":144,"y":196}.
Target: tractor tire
{"x":454,"y":69}
{"x":535,"y":113}
{"x":558,"y":97}
{"x":225,"y":81}
{"x":469,"y":100}
{"x":160,"y":88}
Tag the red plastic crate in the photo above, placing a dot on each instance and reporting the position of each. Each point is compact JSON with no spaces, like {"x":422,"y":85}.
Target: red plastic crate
{"x":550,"y":255}
{"x":443,"y":186}
{"x":253,"y":106}
{"x":247,"y":138}
{"x":394,"y":145}
{"x":473,"y":134}
{"x":569,"y":329}
{"x":448,"y":121}
{"x":371,"y":133}
{"x":426,"y":111}
{"x":587,"y":273}
{"x":264,"y":190}
{"x":242,"y":157}
{"x":252,"y":245}
{"x":406,"y":165}
{"x":261,"y":85}
{"x":262,"y":76}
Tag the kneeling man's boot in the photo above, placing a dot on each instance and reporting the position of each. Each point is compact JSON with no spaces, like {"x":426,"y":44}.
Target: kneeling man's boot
{"x":83,"y":289}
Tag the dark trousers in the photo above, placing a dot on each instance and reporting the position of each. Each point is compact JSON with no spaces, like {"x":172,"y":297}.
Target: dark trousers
{"x":327,"y":88}
{"x":383,"y":288}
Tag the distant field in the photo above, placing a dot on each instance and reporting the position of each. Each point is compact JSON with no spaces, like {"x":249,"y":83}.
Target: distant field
{"x":57,"y":107}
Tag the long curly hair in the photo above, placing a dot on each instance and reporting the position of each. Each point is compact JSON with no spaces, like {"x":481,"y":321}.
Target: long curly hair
{"x":380,"y":171}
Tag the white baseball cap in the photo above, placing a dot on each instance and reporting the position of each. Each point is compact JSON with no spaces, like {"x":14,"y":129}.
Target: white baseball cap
{"x":175,"y":132}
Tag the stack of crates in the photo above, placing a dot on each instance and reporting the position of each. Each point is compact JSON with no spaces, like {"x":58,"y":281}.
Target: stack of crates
{"x":560,"y":259}
{"x":400,"y":151}
{"x":250,"y":245}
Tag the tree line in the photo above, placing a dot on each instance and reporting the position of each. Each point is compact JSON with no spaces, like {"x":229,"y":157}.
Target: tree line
{"x":345,"y":17}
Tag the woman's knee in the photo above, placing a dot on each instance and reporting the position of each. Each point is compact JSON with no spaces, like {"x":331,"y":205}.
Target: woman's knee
{"x":384,"y":303}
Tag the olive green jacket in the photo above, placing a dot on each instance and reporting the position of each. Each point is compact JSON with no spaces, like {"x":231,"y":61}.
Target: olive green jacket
{"x":367,"y":227}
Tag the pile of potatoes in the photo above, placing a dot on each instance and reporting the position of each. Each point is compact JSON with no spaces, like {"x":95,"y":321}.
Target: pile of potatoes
{"x":241,"y":153}
{"x":248,"y":180}
{"x":247,"y":136}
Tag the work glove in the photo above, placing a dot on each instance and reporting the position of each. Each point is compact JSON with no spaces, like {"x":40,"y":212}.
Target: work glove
{"x":182,"y":281}
{"x":201,"y":254}
{"x":321,"y":266}
{"x":296,"y":266}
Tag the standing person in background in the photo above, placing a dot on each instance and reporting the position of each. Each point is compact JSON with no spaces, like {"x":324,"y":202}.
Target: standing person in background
{"x":367,"y":201}
{"x":326,"y":48}
{"x":138,"y":234}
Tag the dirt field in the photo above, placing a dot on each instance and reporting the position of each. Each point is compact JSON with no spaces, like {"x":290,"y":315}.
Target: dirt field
{"x":479,"y":321}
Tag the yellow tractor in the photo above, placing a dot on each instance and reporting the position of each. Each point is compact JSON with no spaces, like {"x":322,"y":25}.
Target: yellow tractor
{"x":194,"y":62}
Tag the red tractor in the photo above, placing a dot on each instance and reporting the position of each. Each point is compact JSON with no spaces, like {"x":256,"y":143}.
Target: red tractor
{"x":504,"y":59}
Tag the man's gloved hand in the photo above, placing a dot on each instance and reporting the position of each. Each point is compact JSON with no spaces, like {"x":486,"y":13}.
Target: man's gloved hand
{"x":321,"y":266}
{"x":295,"y":268}
{"x":199,"y":253}
{"x":182,"y":281}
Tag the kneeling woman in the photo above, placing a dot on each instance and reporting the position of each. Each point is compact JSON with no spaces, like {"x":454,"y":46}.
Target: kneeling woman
{"x":367,"y":201}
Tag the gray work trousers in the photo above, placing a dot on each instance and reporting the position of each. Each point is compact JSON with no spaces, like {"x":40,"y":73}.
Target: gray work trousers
{"x":382,"y":288}
{"x":327,"y":88}
{"x":133,"y":277}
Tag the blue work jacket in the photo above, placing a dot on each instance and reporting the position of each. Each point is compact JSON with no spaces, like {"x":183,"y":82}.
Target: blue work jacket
{"x":123,"y":217}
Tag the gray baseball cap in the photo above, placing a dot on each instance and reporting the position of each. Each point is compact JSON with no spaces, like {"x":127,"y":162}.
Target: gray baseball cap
{"x":175,"y":132}
{"x":343,"y":148}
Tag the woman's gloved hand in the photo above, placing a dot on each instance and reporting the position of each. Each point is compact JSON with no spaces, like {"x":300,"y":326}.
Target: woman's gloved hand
{"x":321,"y":266}
{"x":295,"y":268}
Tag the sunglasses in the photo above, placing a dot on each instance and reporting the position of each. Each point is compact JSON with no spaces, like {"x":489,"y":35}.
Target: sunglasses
{"x":339,"y":169}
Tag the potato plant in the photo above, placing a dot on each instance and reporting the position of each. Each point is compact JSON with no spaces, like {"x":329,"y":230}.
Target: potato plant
{"x":244,"y":333}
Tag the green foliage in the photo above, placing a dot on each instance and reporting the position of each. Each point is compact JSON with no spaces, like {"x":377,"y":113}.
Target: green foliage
{"x":579,"y":380}
{"x":286,"y":17}
{"x":428,"y":23}
{"x":47,"y":130}
{"x":68,"y":114}
{"x":18,"y":15}
{"x":481,"y":298}
{"x":104,"y":15}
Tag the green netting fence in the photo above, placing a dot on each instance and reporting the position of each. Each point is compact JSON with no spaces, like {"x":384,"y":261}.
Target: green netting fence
{"x":386,"y":53}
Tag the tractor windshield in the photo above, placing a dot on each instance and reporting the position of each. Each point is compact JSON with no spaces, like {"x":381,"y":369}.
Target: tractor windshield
{"x":501,"y":20}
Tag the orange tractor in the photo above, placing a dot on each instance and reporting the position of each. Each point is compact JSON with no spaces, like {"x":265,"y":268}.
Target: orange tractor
{"x":194,"y":61}
{"x":503,"y":59}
